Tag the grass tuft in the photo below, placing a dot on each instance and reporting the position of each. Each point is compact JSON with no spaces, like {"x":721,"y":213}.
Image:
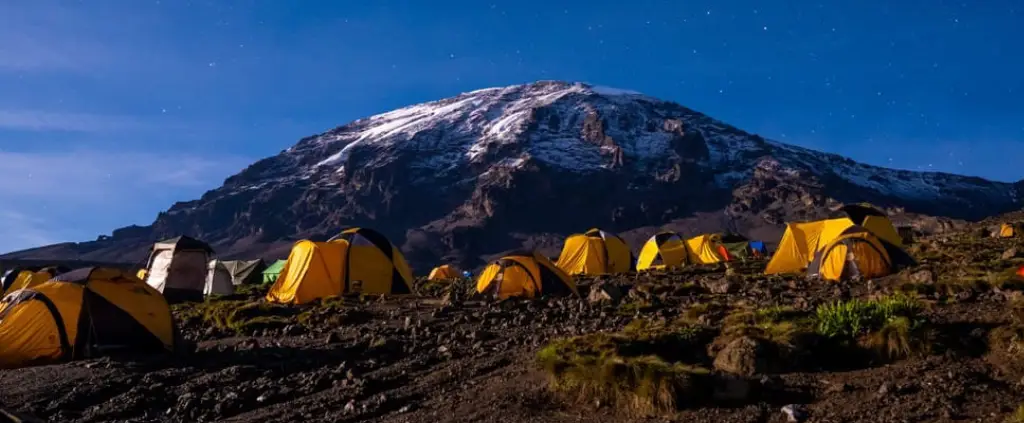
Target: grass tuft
{"x":892,"y":327}
{"x":899,"y":338}
{"x":855,"y":318}
{"x":1017,"y":416}
{"x":236,"y":316}
{"x":777,"y":324}
{"x":620,"y":370}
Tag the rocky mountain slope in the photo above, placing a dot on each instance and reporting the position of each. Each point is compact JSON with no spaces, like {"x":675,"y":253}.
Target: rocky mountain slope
{"x":696,"y":345}
{"x":500,"y":168}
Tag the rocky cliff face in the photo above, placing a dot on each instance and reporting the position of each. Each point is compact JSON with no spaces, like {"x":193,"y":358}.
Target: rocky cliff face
{"x":500,"y":168}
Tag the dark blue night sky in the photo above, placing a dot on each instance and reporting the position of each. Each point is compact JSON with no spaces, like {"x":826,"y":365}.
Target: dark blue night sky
{"x":158,"y":101}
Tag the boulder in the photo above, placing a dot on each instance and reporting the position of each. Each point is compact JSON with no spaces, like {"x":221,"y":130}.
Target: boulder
{"x":745,"y":356}
{"x":1009,"y":254}
{"x":604,"y":293}
{"x":925,"y":276}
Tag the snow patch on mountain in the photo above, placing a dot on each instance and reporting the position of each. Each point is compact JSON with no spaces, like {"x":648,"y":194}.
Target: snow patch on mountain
{"x":603,"y":90}
{"x":584,"y":128}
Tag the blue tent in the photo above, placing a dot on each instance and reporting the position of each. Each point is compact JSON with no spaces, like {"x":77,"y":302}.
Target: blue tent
{"x":759,"y":247}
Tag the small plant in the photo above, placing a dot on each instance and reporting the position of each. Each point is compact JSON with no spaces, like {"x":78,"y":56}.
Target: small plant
{"x":892,"y":327}
{"x":777,"y":324}
{"x":633,"y":308}
{"x":694,"y":312}
{"x":855,"y":318}
{"x":1017,"y":416}
{"x":616,"y":369}
{"x":242,"y":317}
{"x":898,"y":339}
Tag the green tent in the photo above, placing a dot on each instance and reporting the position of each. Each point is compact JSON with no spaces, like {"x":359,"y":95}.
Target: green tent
{"x":270,"y":275}
{"x":738,"y":250}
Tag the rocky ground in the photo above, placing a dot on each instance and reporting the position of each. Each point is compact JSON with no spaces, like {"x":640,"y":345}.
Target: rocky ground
{"x":941,"y":342}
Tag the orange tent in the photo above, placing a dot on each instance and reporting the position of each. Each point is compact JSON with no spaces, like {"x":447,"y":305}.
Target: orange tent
{"x":1020,"y":272}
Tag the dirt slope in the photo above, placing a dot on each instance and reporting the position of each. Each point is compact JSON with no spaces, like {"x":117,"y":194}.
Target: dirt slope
{"x":437,"y":358}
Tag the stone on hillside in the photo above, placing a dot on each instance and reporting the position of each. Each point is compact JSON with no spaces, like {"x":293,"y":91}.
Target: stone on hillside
{"x":605,"y":293}
{"x":743,"y":356}
{"x":1009,"y":254}
{"x":721,"y":286}
{"x":795,"y":413}
{"x":925,"y":276}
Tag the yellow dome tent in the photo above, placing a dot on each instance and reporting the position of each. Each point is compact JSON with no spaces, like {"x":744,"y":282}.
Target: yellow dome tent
{"x":703,"y":249}
{"x":595,"y":252}
{"x":22,"y":278}
{"x":1006,"y":230}
{"x":855,"y":252}
{"x":873,"y":220}
{"x":357,"y":260}
{"x":444,"y":272}
{"x":526,"y":274}
{"x":801,"y":241}
{"x":663,"y":250}
{"x":80,"y":314}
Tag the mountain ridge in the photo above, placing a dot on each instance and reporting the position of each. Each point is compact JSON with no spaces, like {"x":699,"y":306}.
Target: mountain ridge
{"x":472,"y":175}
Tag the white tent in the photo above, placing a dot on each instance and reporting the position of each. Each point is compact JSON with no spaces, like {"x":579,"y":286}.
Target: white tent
{"x":177,"y":268}
{"x":218,"y":279}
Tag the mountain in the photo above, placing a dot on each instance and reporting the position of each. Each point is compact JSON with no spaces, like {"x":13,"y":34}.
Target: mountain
{"x":501,"y":168}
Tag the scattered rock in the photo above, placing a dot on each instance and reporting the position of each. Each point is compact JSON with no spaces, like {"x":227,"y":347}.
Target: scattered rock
{"x":1009,"y":254}
{"x":837,"y":388}
{"x":721,"y":286}
{"x":925,"y":276}
{"x":795,"y":413}
{"x":605,"y":293}
{"x":744,"y":356}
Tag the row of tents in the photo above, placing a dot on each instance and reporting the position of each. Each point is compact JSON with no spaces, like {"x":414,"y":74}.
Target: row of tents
{"x":860,"y":242}
{"x":363,"y":260}
{"x":52,"y":314}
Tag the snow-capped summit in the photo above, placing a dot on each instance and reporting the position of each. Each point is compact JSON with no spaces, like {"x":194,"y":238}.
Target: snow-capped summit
{"x":492,"y":117}
{"x":498,"y":168}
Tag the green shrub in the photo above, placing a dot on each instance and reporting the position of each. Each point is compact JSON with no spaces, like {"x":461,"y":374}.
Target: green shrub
{"x":855,"y":318}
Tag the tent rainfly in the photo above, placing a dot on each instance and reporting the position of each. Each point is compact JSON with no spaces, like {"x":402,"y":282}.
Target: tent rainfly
{"x":273,"y":271}
{"x":177,"y":267}
{"x":218,"y":280}
{"x":245,"y":272}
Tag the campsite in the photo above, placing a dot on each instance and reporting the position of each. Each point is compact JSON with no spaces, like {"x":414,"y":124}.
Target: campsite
{"x":691,"y":337}
{"x":501,"y":212}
